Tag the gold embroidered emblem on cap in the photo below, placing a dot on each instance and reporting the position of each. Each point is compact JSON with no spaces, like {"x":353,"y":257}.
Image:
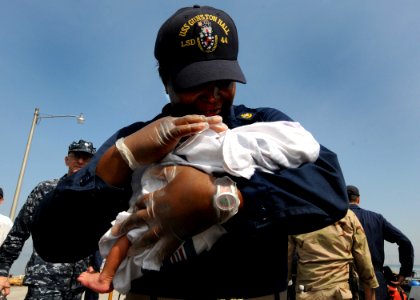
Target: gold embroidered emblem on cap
{"x":207,"y":42}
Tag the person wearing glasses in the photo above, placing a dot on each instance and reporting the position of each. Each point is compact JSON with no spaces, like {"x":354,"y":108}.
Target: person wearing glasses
{"x":45,"y":280}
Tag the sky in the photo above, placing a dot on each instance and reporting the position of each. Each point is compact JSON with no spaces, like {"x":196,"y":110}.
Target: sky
{"x":348,"y":71}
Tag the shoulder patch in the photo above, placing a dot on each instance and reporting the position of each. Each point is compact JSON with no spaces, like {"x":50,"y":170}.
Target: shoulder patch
{"x":246,"y":116}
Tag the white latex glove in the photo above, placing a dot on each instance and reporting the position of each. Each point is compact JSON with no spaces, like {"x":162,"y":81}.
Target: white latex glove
{"x":182,"y":208}
{"x":152,"y":142}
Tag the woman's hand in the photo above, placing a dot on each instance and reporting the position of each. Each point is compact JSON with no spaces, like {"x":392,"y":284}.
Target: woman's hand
{"x":4,"y":285}
{"x":150,"y":144}
{"x":183,"y":208}
{"x":154,"y":141}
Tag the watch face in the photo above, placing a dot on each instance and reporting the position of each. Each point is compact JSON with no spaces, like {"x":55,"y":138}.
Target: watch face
{"x":226,"y":201}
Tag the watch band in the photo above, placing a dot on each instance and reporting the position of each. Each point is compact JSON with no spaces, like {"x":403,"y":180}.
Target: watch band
{"x":226,"y":201}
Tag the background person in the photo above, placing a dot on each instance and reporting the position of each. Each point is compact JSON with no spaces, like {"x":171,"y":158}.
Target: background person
{"x":45,"y":280}
{"x":378,"y":230}
{"x":5,"y":222}
{"x":324,"y":258}
{"x":251,"y":259}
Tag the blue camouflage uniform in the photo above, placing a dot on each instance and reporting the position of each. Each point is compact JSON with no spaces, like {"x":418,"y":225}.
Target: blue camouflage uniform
{"x":45,"y":281}
{"x":249,"y":261}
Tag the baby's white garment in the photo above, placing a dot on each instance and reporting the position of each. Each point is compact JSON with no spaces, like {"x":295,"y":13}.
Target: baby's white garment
{"x":133,"y":266}
{"x":265,"y":146}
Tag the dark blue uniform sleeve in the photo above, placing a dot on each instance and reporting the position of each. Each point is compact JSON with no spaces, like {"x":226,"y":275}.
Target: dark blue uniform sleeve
{"x":301,"y":199}
{"x":69,"y":223}
{"x":70,"y":220}
{"x":405,"y":247}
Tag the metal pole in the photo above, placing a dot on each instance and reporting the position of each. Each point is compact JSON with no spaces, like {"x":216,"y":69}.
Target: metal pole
{"x":23,"y":167}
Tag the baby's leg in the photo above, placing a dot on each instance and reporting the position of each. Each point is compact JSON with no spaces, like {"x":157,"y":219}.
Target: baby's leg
{"x":93,"y":281}
{"x":102,"y":282}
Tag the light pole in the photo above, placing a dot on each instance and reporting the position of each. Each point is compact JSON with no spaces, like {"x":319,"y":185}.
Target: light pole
{"x":37,"y":117}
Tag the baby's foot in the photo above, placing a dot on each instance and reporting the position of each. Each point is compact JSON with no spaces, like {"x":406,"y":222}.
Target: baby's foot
{"x":96,"y":282}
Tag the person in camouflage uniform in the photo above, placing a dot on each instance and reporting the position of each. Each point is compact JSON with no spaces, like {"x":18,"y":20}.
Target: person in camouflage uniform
{"x":324,"y":258}
{"x":45,"y":281}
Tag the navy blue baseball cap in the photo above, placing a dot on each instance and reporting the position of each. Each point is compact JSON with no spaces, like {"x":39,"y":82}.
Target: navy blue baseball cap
{"x":352,"y":190}
{"x":199,"y":44}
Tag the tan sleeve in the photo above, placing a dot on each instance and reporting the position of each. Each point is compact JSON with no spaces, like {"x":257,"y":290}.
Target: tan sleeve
{"x":361,"y":255}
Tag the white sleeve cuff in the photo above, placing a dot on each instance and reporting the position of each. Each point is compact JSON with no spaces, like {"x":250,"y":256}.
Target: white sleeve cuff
{"x":126,"y":154}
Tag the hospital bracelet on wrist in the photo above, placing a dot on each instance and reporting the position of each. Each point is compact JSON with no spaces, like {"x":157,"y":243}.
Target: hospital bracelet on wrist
{"x":126,"y":154}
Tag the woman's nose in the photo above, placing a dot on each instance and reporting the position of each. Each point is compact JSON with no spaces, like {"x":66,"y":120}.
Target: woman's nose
{"x":212,"y":93}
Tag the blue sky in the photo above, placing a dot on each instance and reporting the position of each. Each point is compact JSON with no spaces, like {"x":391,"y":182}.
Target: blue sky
{"x":348,"y":71}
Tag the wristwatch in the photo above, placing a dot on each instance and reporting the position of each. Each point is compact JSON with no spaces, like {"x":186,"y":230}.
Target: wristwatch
{"x":226,"y":200}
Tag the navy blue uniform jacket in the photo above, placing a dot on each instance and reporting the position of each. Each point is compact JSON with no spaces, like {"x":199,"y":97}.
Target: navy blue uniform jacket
{"x":249,"y":261}
{"x":378,"y":230}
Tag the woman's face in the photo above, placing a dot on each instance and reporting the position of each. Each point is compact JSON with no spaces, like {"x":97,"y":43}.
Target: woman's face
{"x":209,"y":99}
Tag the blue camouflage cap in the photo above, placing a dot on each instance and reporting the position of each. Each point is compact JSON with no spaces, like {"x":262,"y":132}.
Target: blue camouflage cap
{"x":82,"y":146}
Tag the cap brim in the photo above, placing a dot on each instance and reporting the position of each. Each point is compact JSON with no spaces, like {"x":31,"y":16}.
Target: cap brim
{"x":205,"y":71}
{"x":84,"y":151}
